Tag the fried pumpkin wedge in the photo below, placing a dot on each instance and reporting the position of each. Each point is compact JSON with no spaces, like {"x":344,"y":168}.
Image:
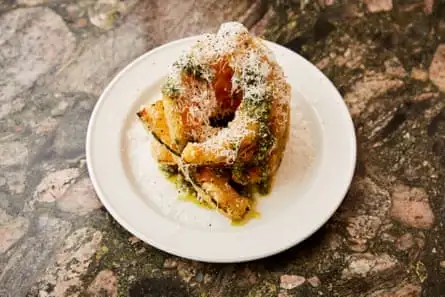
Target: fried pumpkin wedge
{"x":154,"y":120}
{"x":217,"y":192}
{"x":174,"y":123}
{"x":162,"y":155}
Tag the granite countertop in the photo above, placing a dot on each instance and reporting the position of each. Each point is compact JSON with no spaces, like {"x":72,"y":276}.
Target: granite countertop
{"x":387,"y":58}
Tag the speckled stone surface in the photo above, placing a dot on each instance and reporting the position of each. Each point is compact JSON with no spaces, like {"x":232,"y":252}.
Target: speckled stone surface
{"x":387,"y":58}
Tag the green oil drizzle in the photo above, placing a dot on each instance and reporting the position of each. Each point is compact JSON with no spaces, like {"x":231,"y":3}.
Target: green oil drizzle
{"x":188,"y":194}
{"x":251,"y":214}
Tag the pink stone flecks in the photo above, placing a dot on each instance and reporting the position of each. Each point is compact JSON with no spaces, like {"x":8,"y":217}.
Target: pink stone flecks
{"x":425,"y":96}
{"x":11,"y":230}
{"x":54,"y":185}
{"x":72,"y":261}
{"x":31,"y":255}
{"x":251,"y":276}
{"x":419,"y":74}
{"x":437,"y":68}
{"x":405,"y":242}
{"x":47,"y":126}
{"x":428,"y":9}
{"x":289,"y":282}
{"x":170,"y":263}
{"x":379,"y":5}
{"x":363,"y":265}
{"x":372,"y":86}
{"x":362,"y":228}
{"x":133,"y":240}
{"x":323,"y":63}
{"x":394,"y":68}
{"x":79,"y":199}
{"x":325,"y":3}
{"x":314,"y":281}
{"x":410,"y":206}
{"x":105,"y":282}
{"x":358,"y":247}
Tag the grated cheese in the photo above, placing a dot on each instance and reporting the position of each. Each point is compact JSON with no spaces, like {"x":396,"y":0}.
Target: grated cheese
{"x":256,"y":75}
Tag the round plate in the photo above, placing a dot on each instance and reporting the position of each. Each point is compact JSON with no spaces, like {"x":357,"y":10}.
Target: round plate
{"x":311,"y":182}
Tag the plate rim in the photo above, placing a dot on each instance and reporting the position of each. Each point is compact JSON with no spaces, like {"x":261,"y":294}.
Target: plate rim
{"x":133,"y":230}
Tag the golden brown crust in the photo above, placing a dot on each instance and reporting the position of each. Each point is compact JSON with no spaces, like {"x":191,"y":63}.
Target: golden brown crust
{"x":222,"y":194}
{"x":154,"y":120}
{"x":162,"y":155}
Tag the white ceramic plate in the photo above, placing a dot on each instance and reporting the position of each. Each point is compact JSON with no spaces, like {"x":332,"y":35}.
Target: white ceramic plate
{"x":311,"y":183}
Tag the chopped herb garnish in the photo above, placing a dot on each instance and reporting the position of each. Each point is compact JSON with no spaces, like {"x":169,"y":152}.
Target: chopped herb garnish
{"x":171,"y":88}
